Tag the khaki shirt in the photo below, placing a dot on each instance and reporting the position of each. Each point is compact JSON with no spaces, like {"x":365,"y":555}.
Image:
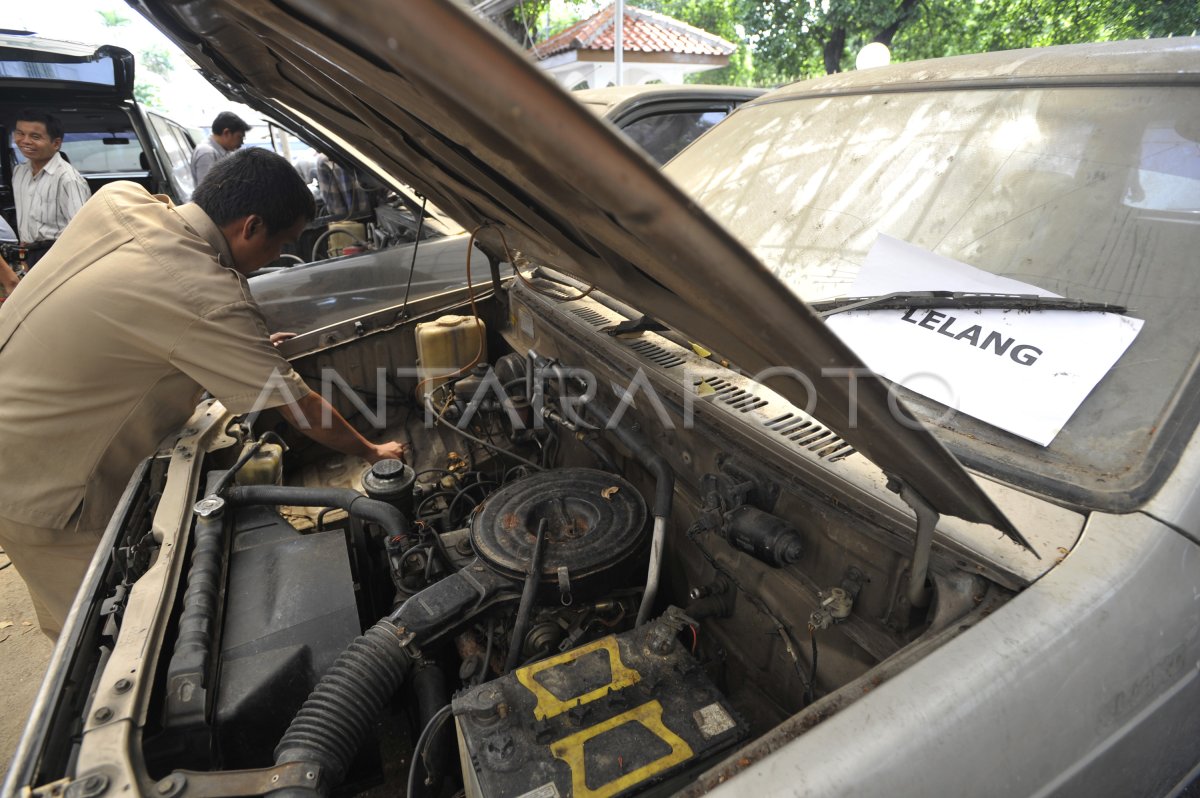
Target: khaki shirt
{"x":106,"y":346}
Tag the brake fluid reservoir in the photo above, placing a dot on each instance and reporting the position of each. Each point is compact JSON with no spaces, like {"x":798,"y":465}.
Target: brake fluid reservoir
{"x":613,"y":717}
{"x":265,"y":467}
{"x":447,"y":347}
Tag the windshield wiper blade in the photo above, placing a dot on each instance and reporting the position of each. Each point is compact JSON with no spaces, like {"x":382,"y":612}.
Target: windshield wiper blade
{"x":905,"y":300}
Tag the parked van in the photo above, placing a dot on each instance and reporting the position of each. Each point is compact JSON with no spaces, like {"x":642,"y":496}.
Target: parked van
{"x":109,"y":135}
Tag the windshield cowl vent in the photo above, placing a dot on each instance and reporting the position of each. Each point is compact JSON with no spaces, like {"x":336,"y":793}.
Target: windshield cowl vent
{"x":655,"y":354}
{"x":739,"y":399}
{"x":811,"y":435}
{"x":591,"y":317}
{"x":795,"y":428}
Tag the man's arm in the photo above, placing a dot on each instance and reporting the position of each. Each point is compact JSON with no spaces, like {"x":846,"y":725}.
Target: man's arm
{"x":317,"y":419}
{"x":73,"y":191}
{"x":8,"y":278}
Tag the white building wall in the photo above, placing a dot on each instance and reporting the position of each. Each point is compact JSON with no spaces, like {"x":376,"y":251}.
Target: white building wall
{"x":597,"y":75}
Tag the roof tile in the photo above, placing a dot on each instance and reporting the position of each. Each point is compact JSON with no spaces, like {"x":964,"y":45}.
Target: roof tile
{"x":644,"y":31}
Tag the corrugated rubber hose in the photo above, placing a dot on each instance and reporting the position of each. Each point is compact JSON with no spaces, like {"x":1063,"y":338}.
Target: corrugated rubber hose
{"x":330,"y":727}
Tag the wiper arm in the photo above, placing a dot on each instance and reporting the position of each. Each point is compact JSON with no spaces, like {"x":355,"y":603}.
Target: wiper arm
{"x":641,"y":324}
{"x":904,"y":300}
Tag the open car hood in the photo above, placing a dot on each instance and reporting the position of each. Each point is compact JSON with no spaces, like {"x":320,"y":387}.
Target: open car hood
{"x":429,"y":96}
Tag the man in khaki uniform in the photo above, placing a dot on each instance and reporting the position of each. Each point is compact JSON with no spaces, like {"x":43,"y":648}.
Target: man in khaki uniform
{"x":106,"y":347}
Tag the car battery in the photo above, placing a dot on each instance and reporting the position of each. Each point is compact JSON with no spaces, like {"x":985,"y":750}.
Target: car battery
{"x":610,"y":718}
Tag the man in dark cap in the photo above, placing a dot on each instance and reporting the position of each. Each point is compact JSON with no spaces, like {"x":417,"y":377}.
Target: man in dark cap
{"x":228,"y":133}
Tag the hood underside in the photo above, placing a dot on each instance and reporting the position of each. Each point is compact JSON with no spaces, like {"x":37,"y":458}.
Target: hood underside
{"x":438,"y":101}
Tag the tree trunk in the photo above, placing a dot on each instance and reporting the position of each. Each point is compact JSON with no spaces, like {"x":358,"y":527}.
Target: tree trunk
{"x":835,"y":45}
{"x":511,"y":24}
{"x":904,"y":13}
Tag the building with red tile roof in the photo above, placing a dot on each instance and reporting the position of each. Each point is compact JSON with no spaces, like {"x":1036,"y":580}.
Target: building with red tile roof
{"x":656,"y":48}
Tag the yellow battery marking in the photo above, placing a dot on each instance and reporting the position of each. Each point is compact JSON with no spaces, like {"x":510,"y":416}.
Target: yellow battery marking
{"x":571,"y":750}
{"x":550,"y":705}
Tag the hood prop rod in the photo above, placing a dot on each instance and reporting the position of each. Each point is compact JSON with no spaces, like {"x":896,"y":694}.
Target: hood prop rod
{"x":927,"y":519}
{"x":412,"y":267}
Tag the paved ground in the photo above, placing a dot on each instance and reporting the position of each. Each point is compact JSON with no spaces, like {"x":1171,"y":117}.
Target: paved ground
{"x":24,"y":652}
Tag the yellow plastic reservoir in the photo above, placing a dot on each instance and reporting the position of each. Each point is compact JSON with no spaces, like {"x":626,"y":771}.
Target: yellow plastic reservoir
{"x":347,"y":234}
{"x":265,"y":467}
{"x":447,"y":347}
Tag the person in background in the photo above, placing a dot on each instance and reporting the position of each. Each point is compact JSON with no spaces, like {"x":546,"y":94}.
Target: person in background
{"x":107,"y":346}
{"x":228,"y":133}
{"x":341,"y":192}
{"x":48,"y":190}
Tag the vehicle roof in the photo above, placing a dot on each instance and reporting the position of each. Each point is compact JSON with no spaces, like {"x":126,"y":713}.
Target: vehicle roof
{"x":74,"y":71}
{"x":612,"y":96}
{"x":1137,"y":61}
{"x":33,"y":42}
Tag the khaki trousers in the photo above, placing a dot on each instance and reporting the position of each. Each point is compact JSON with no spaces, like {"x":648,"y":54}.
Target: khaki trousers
{"x":52,"y":562}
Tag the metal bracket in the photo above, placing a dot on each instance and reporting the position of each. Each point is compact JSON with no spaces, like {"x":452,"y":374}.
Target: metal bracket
{"x":230,"y":783}
{"x":927,"y":519}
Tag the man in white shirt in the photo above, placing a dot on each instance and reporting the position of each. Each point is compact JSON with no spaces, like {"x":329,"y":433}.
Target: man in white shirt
{"x":228,"y":133}
{"x":49,"y":191}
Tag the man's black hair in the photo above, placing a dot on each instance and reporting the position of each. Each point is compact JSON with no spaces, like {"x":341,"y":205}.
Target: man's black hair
{"x":53,"y":126}
{"x":255,"y":181}
{"x":227,"y":120}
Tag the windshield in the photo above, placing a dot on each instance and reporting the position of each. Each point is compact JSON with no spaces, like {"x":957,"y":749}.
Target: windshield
{"x":1088,"y":193}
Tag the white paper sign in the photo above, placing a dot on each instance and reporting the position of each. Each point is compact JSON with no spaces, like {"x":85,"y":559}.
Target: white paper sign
{"x":1023,"y":371}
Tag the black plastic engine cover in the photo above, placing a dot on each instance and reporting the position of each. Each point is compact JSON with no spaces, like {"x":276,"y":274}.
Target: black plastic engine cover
{"x":290,"y":611}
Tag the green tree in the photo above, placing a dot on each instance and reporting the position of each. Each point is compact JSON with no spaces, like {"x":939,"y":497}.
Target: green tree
{"x":793,"y":40}
{"x":113,"y":18}
{"x":799,"y":39}
{"x":157,"y":60}
{"x":720,"y":17}
{"x":524,"y":21}
{"x":1009,"y":24}
{"x":147,"y":94}
{"x":784,"y":40}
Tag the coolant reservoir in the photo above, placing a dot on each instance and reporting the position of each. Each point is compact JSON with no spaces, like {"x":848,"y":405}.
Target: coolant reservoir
{"x":345,"y":234}
{"x":447,"y":347}
{"x":265,"y":467}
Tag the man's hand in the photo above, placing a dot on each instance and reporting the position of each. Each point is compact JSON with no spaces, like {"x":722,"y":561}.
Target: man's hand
{"x":318,"y":420}
{"x":280,"y":337}
{"x":8,"y":277}
{"x":392,"y":450}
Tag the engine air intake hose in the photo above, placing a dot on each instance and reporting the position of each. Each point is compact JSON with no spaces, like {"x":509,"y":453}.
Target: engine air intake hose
{"x":329,"y":728}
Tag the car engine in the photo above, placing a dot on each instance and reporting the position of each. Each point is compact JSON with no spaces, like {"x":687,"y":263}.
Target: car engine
{"x":613,"y":566}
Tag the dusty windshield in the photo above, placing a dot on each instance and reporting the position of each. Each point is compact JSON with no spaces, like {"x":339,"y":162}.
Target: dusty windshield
{"x":1089,"y":193}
